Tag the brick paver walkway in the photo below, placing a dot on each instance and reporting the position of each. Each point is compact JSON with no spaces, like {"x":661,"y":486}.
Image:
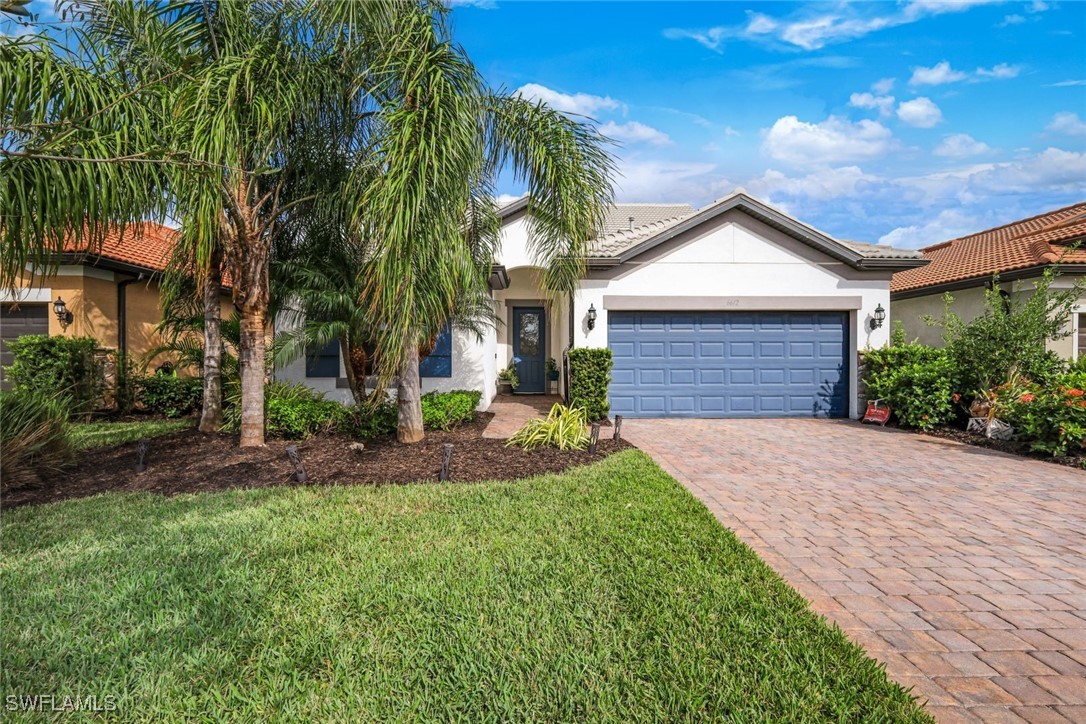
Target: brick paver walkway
{"x":964,"y":570}
{"x":512,"y":411}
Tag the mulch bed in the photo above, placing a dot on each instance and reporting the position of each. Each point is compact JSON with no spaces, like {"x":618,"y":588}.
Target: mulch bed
{"x":1014,"y":447}
{"x":190,"y":462}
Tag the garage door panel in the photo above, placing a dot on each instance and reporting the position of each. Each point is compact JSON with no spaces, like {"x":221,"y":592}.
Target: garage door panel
{"x":729,"y":364}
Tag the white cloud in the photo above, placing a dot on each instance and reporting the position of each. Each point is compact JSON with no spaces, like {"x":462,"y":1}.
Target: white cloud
{"x":663,"y":181}
{"x":919,"y":112}
{"x":1067,"y":84}
{"x":821,"y":185}
{"x":884,"y":104}
{"x":883,"y":87}
{"x":505,"y":199}
{"x":831,"y":142}
{"x":1000,"y":72}
{"x":634,"y":132}
{"x":813,"y":27}
{"x":960,"y":145}
{"x":729,"y":131}
{"x":947,"y":224}
{"x":1067,"y":123}
{"x":1011,"y":20}
{"x":1037,"y":6}
{"x":1052,"y":169}
{"x":582,"y":104}
{"x":938,"y":74}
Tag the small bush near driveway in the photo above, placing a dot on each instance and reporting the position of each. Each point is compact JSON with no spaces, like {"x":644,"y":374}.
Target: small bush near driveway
{"x":446,"y":410}
{"x":64,"y":366}
{"x":589,"y":379}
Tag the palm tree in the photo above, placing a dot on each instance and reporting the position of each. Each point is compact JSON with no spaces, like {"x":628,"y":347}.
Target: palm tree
{"x":197,"y":108}
{"x":440,"y":139}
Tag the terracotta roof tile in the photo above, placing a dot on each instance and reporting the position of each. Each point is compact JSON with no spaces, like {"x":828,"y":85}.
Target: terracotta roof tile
{"x":144,"y":244}
{"x":1037,"y":241}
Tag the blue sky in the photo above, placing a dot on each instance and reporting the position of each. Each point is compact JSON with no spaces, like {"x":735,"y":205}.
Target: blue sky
{"x":906,"y":123}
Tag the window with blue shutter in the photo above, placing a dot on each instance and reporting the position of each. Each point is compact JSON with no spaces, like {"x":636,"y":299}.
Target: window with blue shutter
{"x":439,"y":362}
{"x":323,"y":362}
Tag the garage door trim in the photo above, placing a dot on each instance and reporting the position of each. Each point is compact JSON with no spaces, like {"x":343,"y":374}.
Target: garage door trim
{"x":726,"y":304}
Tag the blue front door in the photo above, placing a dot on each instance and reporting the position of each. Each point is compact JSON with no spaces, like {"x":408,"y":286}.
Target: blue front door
{"x":529,"y":343}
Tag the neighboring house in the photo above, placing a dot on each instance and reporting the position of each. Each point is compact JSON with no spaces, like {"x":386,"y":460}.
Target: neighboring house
{"x":733,"y":310}
{"x":1019,"y":253}
{"x":111,"y":294}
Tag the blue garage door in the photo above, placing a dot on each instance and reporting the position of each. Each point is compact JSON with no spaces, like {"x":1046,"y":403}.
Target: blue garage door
{"x":729,"y":364}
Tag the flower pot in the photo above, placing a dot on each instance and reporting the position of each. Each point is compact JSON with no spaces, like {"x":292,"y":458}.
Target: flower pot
{"x":978,"y":425}
{"x":504,"y":388}
{"x":999,"y":430}
{"x":553,"y":376}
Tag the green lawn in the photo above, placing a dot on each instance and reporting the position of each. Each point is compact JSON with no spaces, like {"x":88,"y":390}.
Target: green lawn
{"x":607,"y":593}
{"x":101,"y":434}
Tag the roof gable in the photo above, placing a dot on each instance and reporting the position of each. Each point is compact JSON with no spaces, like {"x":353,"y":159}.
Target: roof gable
{"x":855,"y":254}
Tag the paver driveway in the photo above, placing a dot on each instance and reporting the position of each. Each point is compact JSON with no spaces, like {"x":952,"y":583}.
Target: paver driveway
{"x":964,"y":570}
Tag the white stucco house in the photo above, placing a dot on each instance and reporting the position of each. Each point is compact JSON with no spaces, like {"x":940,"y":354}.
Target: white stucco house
{"x":732,"y":310}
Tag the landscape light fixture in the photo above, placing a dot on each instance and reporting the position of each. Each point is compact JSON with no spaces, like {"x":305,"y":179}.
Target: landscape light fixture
{"x":591,"y":317}
{"x":878,"y":317}
{"x":63,"y":315}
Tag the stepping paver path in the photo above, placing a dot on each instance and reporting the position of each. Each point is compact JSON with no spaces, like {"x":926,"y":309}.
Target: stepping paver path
{"x":512,"y":411}
{"x":964,"y":570}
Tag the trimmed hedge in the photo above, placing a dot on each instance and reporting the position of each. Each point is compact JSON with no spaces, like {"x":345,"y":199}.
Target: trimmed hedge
{"x":446,"y":410}
{"x":589,"y":379}
{"x":64,"y":366}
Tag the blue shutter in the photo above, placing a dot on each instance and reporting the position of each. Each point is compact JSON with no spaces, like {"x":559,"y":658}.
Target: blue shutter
{"x":323,"y":362}
{"x":439,"y":362}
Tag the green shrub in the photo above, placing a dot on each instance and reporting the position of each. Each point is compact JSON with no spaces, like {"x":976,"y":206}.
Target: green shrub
{"x":563,"y":428}
{"x":170,"y":395}
{"x":376,"y":419}
{"x":589,"y":379}
{"x":34,"y":437}
{"x":1011,"y":334}
{"x":915,"y":380}
{"x":1051,"y":419}
{"x":294,"y":412}
{"x":58,"y":365}
{"x":446,"y":410}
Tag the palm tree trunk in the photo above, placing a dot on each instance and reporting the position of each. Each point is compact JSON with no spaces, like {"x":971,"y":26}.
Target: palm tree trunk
{"x":409,"y":398}
{"x":252,"y":376}
{"x":354,"y":380}
{"x":211,"y":414}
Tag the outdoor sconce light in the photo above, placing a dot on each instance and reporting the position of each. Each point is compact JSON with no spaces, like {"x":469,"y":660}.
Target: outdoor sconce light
{"x":878,"y":317}
{"x":63,"y":315}
{"x":591,"y":317}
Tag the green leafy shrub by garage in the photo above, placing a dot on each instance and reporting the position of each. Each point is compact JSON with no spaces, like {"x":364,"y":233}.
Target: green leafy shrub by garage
{"x":589,"y":379}
{"x":915,"y":380}
{"x":563,"y":428}
{"x":34,"y":437}
{"x":170,"y":395}
{"x":446,"y":410}
{"x":65,"y":366}
{"x":1010,"y":335}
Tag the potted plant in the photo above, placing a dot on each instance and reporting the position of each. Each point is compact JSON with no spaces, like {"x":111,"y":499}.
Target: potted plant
{"x":507,"y":378}
{"x":552,"y":369}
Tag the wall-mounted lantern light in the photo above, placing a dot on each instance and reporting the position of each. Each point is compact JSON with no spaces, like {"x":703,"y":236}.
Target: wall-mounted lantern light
{"x":63,"y":315}
{"x":591,"y":317}
{"x":878,"y":317}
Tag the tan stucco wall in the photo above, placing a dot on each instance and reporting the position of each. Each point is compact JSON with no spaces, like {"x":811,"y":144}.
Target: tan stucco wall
{"x":90,"y":294}
{"x":969,"y":304}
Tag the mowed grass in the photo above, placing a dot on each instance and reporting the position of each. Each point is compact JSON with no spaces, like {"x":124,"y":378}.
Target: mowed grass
{"x":606,"y":593}
{"x":102,"y":434}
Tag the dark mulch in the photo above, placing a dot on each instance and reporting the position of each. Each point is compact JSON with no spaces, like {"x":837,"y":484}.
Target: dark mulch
{"x":190,"y":462}
{"x":1014,"y":447}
